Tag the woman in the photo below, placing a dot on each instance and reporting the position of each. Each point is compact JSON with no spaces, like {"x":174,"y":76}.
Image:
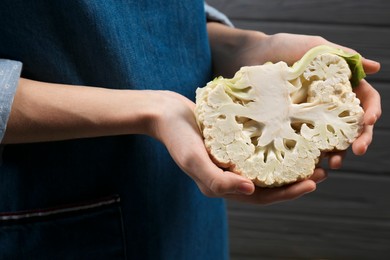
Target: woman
{"x":101,"y":129}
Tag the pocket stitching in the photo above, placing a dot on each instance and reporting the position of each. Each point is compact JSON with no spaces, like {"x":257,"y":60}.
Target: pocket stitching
{"x":63,"y":209}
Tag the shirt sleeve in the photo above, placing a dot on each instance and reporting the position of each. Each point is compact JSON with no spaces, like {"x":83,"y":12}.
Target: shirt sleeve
{"x":9,"y":77}
{"x":213,"y":14}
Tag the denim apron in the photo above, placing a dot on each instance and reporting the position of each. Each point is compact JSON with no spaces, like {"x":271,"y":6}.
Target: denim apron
{"x":117,"y":197}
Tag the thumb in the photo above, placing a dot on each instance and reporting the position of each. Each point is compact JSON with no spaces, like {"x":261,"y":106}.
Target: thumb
{"x":218,"y":183}
{"x":211,"y":180}
{"x":370,"y":66}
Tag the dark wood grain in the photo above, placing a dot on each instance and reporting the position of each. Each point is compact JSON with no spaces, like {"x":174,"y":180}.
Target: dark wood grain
{"x":348,"y":216}
{"x":384,"y":90}
{"x":361,"y":25}
{"x":367,"y":13}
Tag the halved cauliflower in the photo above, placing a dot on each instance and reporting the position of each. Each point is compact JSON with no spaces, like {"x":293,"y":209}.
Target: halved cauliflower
{"x":270,"y":122}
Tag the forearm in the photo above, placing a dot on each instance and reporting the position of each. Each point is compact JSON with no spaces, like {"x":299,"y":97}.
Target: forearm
{"x":48,"y":112}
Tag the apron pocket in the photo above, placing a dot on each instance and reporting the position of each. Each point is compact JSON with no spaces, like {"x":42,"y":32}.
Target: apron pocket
{"x":92,"y":230}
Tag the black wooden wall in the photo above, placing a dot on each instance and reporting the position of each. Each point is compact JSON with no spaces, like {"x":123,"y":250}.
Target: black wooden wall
{"x":348,"y":217}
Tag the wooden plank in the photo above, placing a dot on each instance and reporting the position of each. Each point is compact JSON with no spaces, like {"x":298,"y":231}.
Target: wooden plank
{"x":373,"y":12}
{"x":348,"y":217}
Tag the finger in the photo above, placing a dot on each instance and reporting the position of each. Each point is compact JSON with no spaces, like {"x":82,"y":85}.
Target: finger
{"x":226,"y":183}
{"x":213,"y":181}
{"x":371,"y":102}
{"x":336,"y":159}
{"x":360,"y":145}
{"x":193,"y":159}
{"x":266,"y":196}
{"x":291,"y":192}
{"x":370,"y":66}
{"x":319,"y":175}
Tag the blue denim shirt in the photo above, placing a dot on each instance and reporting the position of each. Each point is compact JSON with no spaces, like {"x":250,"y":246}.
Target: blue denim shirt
{"x":9,"y":76}
{"x":107,"y":197}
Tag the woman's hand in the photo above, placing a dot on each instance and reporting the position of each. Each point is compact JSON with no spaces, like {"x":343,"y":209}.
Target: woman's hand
{"x":233,"y":48}
{"x":176,"y":127}
{"x":291,"y":47}
{"x":51,"y":112}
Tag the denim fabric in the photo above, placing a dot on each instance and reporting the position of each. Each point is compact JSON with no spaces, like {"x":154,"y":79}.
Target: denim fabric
{"x":10,"y":72}
{"x":56,"y":234}
{"x":148,"y":44}
{"x":215,"y":15}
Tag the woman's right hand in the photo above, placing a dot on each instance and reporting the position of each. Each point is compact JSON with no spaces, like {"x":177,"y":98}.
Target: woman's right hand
{"x":176,"y":127}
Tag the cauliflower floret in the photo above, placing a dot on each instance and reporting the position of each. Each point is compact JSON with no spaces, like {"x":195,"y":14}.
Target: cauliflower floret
{"x":271,"y":122}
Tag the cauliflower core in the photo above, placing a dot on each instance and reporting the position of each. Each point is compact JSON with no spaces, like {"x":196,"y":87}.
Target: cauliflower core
{"x":270,"y":122}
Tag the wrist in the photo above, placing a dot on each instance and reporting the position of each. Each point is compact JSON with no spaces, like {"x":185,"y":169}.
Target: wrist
{"x":136,"y":112}
{"x":225,"y":39}
{"x":169,"y":114}
{"x":231,"y":47}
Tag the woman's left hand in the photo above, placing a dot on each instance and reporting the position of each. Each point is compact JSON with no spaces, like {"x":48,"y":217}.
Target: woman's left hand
{"x":233,"y":48}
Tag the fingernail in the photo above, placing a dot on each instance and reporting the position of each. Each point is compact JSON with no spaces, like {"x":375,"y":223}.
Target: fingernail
{"x":245,"y":188}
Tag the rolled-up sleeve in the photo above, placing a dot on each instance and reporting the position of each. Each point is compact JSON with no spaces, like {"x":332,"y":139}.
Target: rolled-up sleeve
{"x":213,"y":14}
{"x":9,"y":78}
